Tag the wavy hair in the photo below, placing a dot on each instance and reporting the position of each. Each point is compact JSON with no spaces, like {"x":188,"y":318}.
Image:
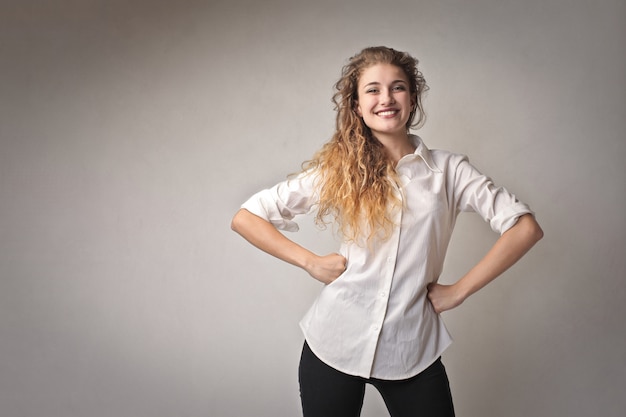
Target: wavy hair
{"x":355,"y":174}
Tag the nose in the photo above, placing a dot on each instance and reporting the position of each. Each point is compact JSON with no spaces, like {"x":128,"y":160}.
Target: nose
{"x":386,"y":97}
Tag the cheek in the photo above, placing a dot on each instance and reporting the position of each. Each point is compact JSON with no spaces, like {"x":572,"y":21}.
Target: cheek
{"x":363,"y":107}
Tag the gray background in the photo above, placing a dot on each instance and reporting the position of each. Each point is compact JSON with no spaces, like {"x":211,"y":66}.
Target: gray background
{"x":132,"y":130}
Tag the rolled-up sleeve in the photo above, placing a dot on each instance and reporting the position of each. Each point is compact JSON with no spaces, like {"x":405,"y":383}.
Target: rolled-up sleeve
{"x":282,"y":202}
{"x":476,"y":192}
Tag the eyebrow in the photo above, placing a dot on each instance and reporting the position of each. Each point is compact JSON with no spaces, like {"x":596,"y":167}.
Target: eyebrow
{"x":393,"y":82}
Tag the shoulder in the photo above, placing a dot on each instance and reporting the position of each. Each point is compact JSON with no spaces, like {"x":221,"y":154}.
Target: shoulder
{"x":444,"y":159}
{"x":445,"y":155}
{"x":448,"y":161}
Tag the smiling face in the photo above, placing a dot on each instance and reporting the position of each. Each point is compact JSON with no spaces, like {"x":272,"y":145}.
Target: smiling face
{"x":384,"y":100}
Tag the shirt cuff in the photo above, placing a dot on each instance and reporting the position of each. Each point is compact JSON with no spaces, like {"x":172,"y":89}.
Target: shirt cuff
{"x":257,"y":205}
{"x":508,"y":217}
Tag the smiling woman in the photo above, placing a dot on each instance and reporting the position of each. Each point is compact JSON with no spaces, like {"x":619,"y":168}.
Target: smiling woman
{"x":377,"y":321}
{"x":385,"y":104}
{"x":356,"y":164}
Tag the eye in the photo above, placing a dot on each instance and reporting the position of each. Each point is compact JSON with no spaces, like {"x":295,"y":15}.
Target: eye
{"x":371,"y":90}
{"x":399,"y":87}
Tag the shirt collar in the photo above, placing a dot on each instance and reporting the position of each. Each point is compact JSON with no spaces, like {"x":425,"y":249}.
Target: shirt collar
{"x":423,"y":152}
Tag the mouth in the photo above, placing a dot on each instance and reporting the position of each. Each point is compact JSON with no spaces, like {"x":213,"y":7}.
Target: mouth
{"x":387,"y":113}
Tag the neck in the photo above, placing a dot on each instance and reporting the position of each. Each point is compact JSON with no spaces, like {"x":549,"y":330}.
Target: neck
{"x":397,"y":146}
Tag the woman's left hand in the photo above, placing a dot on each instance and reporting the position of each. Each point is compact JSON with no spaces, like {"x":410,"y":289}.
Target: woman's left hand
{"x":443,"y":297}
{"x":507,"y":250}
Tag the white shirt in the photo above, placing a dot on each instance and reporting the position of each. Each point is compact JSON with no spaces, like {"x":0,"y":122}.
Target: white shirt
{"x":375,"y":320}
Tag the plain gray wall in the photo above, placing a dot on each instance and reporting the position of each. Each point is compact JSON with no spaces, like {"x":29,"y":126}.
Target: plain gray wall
{"x":132,"y":130}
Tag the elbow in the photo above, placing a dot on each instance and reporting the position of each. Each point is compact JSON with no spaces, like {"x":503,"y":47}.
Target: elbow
{"x":236,"y":222}
{"x":527,"y":230}
{"x":538,"y":232}
{"x":534,"y":232}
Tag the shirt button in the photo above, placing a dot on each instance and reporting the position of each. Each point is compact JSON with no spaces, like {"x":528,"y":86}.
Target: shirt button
{"x":382,"y":294}
{"x":375,"y":327}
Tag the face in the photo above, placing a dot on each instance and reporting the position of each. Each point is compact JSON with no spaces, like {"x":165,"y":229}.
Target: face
{"x":384,"y":99}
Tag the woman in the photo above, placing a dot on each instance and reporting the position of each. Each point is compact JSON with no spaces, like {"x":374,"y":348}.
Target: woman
{"x":377,"y":319}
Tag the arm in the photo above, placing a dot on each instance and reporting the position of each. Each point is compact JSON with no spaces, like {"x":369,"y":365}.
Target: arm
{"x":266,"y":237}
{"x":507,"y":250}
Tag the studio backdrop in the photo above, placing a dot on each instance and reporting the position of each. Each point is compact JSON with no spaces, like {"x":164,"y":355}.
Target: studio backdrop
{"x":131,"y":131}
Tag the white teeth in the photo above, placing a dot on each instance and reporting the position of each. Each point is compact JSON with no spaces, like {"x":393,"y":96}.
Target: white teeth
{"x":387,"y":113}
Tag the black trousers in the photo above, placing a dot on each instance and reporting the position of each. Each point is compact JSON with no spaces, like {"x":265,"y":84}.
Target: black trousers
{"x":326,"y":392}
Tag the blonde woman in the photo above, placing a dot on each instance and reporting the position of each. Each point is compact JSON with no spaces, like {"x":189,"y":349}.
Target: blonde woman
{"x":394,"y":202}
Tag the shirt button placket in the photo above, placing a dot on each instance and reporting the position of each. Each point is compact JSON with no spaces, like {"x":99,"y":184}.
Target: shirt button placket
{"x":382,"y":295}
{"x":384,"y":291}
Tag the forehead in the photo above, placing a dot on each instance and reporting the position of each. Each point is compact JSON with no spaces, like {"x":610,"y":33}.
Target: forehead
{"x":383,"y":74}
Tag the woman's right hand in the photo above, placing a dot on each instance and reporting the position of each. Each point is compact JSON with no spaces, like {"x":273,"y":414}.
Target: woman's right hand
{"x":264,"y":236}
{"x":327,"y":268}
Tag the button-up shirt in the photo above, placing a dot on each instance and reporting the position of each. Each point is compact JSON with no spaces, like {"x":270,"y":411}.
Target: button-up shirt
{"x":375,"y":320}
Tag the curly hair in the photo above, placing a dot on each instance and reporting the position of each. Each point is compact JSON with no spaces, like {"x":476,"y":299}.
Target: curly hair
{"x":355,"y":174}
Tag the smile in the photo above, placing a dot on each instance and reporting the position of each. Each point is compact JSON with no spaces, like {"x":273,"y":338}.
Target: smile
{"x":386,"y":113}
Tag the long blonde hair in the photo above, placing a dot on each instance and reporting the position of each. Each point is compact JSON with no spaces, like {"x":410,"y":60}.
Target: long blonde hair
{"x":355,"y":174}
